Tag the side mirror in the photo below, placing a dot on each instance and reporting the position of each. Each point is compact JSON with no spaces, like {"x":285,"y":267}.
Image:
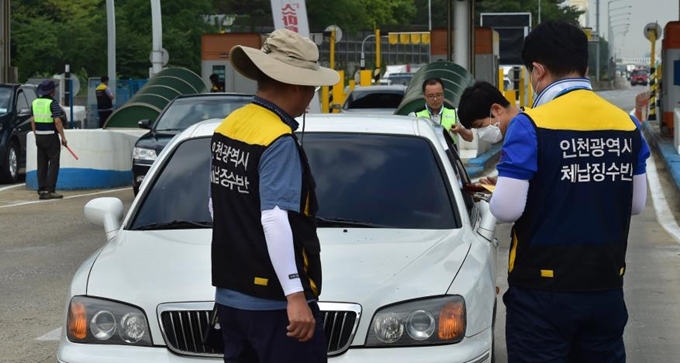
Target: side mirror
{"x":144,"y":124}
{"x":487,"y":223}
{"x":106,"y":212}
{"x":24,"y":112}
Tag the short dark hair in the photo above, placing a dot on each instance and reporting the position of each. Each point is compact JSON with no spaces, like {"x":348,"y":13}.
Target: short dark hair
{"x":476,"y":100}
{"x":432,"y":81}
{"x":561,"y":47}
{"x":104,"y":79}
{"x":214,"y":77}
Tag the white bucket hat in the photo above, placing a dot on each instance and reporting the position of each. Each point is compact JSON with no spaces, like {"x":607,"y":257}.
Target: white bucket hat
{"x":286,"y":57}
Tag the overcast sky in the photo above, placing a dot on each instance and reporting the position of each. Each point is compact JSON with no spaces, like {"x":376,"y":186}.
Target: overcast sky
{"x":634,"y":44}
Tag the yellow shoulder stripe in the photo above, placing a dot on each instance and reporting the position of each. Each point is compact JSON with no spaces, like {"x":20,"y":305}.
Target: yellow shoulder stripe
{"x":581,"y":110}
{"x":253,"y":125}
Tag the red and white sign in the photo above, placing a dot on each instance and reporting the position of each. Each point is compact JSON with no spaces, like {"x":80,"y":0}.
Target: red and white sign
{"x":292,"y":15}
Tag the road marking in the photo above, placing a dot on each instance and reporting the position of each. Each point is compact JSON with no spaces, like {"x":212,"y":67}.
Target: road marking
{"x":53,"y":335}
{"x":663,"y":211}
{"x":69,"y":197}
{"x":11,"y":186}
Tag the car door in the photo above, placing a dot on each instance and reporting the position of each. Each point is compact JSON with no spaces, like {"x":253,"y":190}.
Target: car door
{"x":22,"y":125}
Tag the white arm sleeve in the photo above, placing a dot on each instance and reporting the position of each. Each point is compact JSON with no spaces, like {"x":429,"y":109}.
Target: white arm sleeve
{"x":639,"y":193}
{"x":279,"y":238}
{"x":509,"y":199}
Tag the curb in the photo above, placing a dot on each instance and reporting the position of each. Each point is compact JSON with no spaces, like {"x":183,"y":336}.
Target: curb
{"x":476,"y":166}
{"x":665,"y":147}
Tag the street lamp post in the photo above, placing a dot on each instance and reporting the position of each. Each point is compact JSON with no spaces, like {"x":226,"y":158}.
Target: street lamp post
{"x":363,"y":63}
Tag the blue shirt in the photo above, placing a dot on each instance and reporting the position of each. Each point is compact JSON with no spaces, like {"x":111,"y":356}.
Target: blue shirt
{"x":518,"y":158}
{"x":280,"y":171}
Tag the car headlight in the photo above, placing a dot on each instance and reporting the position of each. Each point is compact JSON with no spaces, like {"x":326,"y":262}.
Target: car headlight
{"x":432,"y":321}
{"x":140,"y":153}
{"x":98,"y":321}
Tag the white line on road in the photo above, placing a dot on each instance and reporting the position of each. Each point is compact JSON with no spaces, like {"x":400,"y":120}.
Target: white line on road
{"x":69,"y":197}
{"x":663,"y":211}
{"x":10,"y":187}
{"x":53,"y":335}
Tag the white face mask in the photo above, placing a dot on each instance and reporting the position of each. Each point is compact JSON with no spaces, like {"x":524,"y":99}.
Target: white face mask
{"x":491,"y":133}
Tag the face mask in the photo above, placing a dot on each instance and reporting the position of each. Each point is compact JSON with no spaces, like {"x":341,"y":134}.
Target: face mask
{"x":491,"y":133}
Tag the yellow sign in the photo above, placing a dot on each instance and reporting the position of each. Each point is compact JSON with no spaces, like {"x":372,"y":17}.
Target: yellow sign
{"x":409,"y":38}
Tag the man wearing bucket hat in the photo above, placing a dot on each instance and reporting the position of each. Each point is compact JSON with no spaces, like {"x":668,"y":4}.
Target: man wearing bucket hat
{"x":46,"y":123}
{"x":265,"y":252}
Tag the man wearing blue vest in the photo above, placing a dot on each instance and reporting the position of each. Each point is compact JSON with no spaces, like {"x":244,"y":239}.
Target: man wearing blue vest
{"x":433,"y":93}
{"x":571,"y":174}
{"x":46,"y":123}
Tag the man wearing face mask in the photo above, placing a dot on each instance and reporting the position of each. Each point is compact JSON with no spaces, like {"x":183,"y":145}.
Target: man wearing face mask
{"x":433,"y":93}
{"x":483,"y":107}
{"x":571,"y":174}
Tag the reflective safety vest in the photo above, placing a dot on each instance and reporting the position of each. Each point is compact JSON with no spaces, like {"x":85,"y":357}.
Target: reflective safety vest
{"x":42,"y":115}
{"x":447,"y":120}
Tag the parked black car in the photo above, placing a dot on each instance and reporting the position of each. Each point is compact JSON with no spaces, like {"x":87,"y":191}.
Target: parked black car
{"x":179,"y":114}
{"x":15,"y":114}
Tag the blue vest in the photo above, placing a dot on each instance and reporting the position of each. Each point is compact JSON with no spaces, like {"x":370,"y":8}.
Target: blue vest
{"x":573,"y":233}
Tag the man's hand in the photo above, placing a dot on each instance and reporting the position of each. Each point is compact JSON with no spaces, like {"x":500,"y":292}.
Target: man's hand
{"x":63,"y":141}
{"x":491,"y":180}
{"x":301,"y":321}
{"x":462,"y":131}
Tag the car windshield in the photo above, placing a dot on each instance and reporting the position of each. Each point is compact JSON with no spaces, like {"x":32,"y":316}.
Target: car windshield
{"x":639,"y":72}
{"x":362,"y":180}
{"x":363,"y":99}
{"x":184,"y":112}
{"x":5,"y":99}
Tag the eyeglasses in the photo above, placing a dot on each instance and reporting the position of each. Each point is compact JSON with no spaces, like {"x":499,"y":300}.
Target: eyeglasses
{"x":436,"y":95}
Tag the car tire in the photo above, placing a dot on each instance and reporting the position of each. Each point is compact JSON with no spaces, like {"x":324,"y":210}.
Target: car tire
{"x":10,"y":170}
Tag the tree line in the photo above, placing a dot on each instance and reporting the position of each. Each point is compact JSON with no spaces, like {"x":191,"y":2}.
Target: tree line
{"x":47,"y":34}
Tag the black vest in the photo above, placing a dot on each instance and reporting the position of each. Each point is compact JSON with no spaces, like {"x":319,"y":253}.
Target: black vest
{"x":104,"y":102}
{"x":573,"y":233}
{"x":240,"y":259}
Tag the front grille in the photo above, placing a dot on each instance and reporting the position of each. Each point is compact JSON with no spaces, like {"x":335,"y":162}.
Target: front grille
{"x":183,"y":326}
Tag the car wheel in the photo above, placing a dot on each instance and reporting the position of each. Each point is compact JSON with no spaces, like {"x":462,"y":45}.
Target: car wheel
{"x":10,"y":170}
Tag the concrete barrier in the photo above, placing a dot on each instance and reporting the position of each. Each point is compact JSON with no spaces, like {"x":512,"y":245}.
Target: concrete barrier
{"x":105,"y":159}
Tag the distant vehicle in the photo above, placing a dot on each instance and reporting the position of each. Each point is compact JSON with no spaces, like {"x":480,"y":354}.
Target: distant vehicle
{"x":639,"y":76}
{"x":374,"y":99}
{"x":399,"y":79}
{"x":15,"y":113}
{"x":179,"y":114}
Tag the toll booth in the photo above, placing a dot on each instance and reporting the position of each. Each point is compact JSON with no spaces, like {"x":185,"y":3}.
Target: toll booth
{"x":670,"y":89}
{"x":487,"y":50}
{"x":215,"y":59}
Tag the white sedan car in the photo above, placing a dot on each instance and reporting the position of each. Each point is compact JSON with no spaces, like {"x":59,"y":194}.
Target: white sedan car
{"x":408,"y":256}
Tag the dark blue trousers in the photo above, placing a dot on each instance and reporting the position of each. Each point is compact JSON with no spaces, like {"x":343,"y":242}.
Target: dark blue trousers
{"x":255,"y":336}
{"x":565,"y":327}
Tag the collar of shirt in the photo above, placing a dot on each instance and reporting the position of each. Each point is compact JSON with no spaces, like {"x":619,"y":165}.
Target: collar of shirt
{"x":283,"y":115}
{"x":429,"y":110}
{"x":559,"y":88}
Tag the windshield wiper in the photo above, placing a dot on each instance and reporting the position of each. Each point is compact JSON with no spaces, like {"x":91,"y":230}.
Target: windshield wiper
{"x":178,"y":224}
{"x":343,"y":222}
{"x":172,"y":129}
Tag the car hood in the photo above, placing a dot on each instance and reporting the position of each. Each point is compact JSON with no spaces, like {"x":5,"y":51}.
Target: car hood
{"x":155,"y":141}
{"x":371,"y":267}
{"x":358,"y":264}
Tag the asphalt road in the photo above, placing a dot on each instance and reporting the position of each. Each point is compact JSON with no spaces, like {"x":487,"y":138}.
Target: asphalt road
{"x":43,"y":242}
